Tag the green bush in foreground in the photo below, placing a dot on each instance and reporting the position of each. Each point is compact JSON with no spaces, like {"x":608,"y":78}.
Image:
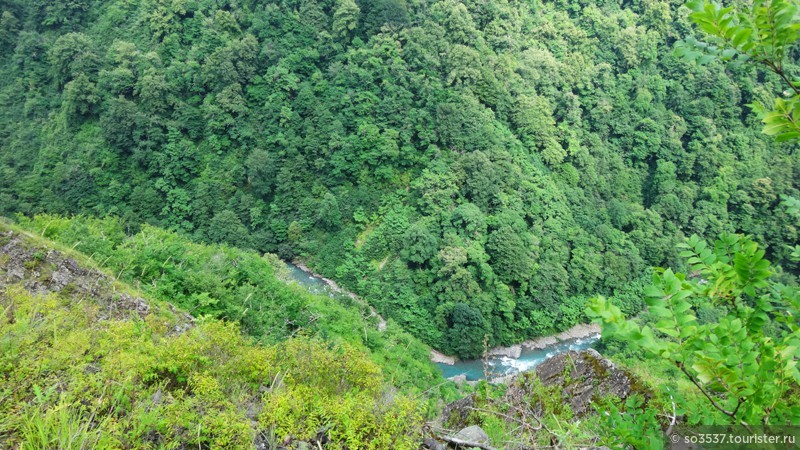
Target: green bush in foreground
{"x":74,"y":378}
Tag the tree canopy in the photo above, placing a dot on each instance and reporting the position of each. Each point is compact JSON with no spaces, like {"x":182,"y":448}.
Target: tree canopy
{"x":468,"y":167}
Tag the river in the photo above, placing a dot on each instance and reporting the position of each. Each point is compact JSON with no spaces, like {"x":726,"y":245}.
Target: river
{"x":314,"y":284}
{"x":500,"y":366}
{"x":473,"y":369}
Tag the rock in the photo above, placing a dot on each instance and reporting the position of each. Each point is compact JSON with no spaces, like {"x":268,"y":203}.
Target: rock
{"x":128,"y":303}
{"x":511,"y":352}
{"x":441,"y":358}
{"x":455,"y":414}
{"x":458,"y":379}
{"x":155,"y":399}
{"x":372,"y":313}
{"x":260,"y":442}
{"x":431,"y":444}
{"x":579,"y":331}
{"x":14,"y":274}
{"x":583,"y":376}
{"x":474,"y":434}
{"x":539,"y":343}
{"x":60,"y":279}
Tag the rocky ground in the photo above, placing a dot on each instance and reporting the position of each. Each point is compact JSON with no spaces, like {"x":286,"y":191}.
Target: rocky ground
{"x":576,"y":379}
{"x":43,"y":270}
{"x":582,"y":377}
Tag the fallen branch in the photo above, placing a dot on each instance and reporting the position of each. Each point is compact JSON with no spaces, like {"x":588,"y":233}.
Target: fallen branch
{"x":464,"y":443}
{"x":674,"y":417}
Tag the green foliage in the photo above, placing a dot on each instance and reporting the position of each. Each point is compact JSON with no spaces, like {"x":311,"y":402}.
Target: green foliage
{"x":466,"y":331}
{"x":71,"y":55}
{"x":509,"y":255}
{"x":745,"y":362}
{"x":329,"y":215}
{"x":9,"y":27}
{"x":763,"y":34}
{"x":345,"y":17}
{"x":225,"y":227}
{"x":420,"y":245}
{"x":509,"y":156}
{"x":76,"y":378}
{"x":783,"y":121}
{"x":632,"y":425}
{"x":334,"y":391}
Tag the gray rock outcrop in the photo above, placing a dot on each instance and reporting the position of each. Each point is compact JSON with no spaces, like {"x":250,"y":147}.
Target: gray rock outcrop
{"x":513,"y":351}
{"x":584,"y":376}
{"x":441,"y":358}
{"x":474,"y":434}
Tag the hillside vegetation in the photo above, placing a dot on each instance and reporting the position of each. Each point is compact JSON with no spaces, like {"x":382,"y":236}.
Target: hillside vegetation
{"x":470,"y":168}
{"x":237,"y":286}
{"x":91,"y":362}
{"x":88,"y":362}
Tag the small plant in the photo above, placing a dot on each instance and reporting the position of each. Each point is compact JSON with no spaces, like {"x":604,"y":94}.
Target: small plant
{"x":59,"y":427}
{"x":630,"y":425}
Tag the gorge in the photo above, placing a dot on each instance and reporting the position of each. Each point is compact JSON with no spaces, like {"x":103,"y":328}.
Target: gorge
{"x":501,"y":361}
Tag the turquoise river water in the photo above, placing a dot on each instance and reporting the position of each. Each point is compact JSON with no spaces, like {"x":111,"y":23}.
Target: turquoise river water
{"x":502,"y":366}
{"x":473,"y":369}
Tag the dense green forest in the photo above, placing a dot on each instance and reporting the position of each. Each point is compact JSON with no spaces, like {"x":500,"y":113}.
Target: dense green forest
{"x":470,"y":168}
{"x":479,"y":172}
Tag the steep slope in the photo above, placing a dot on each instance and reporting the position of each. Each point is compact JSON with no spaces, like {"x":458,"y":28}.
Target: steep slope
{"x":238,"y":286}
{"x":471,"y":168}
{"x":88,"y":362}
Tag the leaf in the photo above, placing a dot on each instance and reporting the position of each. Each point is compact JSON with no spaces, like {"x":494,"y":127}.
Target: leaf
{"x":660,"y":311}
{"x":653,"y":291}
{"x":705,"y":59}
{"x":775,"y":128}
{"x":695,"y":5}
{"x":788,"y":136}
{"x":741,"y":36}
{"x":671,"y":332}
{"x":728,"y":53}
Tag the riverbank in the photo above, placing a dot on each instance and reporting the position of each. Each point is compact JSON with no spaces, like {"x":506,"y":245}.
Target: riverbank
{"x":500,"y":369}
{"x":502,"y":361}
{"x":580,"y":331}
{"x":334,"y":287}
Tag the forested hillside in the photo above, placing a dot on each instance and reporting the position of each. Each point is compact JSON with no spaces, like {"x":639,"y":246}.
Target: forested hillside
{"x":471,"y":168}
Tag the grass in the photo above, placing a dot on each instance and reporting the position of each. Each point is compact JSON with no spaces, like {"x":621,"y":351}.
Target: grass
{"x":76,"y":378}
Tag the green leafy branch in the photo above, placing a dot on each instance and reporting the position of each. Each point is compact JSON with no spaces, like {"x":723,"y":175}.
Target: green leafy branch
{"x":743,"y":371}
{"x":762,"y":35}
